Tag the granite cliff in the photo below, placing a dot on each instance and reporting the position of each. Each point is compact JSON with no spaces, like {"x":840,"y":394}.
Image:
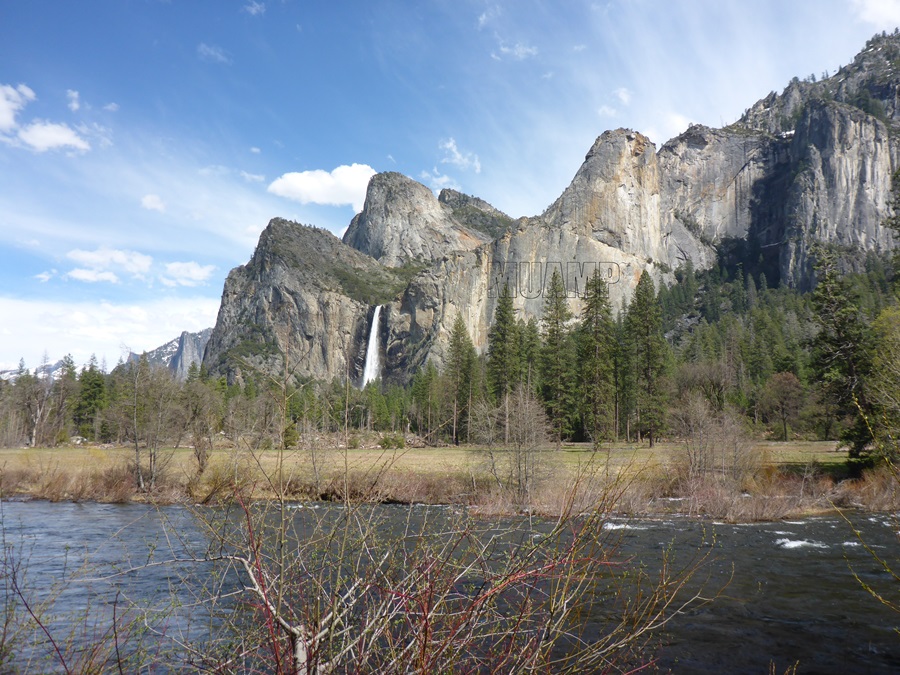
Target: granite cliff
{"x":812,"y":164}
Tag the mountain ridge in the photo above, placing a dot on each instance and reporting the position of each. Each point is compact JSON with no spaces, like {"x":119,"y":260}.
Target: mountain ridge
{"x":812,"y":165}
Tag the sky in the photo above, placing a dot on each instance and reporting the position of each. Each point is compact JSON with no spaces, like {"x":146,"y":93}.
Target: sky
{"x":145,"y":144}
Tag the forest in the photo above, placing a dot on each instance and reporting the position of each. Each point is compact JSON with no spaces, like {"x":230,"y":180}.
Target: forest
{"x":720,"y":342}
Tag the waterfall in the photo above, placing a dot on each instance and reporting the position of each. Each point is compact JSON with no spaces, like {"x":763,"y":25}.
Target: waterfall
{"x":371,"y":368}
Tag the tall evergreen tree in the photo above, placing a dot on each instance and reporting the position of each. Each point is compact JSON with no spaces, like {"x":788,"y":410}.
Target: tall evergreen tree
{"x":840,"y":360}
{"x":557,"y":358}
{"x":644,"y":327}
{"x":529,"y":353}
{"x":90,"y":399}
{"x":503,"y":353}
{"x":461,"y":371}
{"x":596,"y":348}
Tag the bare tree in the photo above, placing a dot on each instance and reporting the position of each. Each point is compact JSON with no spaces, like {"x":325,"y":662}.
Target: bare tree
{"x":514,"y":437}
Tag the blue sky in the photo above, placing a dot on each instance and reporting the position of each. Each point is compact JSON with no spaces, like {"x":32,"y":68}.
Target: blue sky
{"x":145,"y":144}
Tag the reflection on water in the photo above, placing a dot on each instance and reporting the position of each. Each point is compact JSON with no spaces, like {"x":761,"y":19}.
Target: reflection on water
{"x":789,"y":593}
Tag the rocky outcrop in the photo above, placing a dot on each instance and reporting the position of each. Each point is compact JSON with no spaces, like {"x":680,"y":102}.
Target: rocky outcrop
{"x":304,"y":295}
{"x":841,"y":188}
{"x":475,"y":213}
{"x":810,"y":165}
{"x":708,"y":178}
{"x":403,"y":223}
{"x":189,"y":352}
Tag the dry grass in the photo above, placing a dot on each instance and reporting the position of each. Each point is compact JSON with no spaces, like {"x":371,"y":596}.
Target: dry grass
{"x":642,"y":480}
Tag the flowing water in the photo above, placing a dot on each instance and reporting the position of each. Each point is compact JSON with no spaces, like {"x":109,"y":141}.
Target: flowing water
{"x":372,"y":366}
{"x":786,"y":591}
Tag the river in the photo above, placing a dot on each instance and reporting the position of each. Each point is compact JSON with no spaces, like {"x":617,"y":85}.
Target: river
{"x":785,"y":590}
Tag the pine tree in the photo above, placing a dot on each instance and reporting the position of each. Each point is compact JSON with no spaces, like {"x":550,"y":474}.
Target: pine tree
{"x":840,"y":360}
{"x":557,"y":358}
{"x":529,"y":353}
{"x":503,"y":355}
{"x":596,"y":360}
{"x":461,"y":372}
{"x":644,"y":327}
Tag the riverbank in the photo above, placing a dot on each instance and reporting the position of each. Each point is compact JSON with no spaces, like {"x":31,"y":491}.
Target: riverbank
{"x":790,"y":479}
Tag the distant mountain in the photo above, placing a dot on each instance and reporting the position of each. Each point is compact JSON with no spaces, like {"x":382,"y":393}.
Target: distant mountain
{"x":812,"y":165}
{"x":179,"y":354}
{"x":48,"y":370}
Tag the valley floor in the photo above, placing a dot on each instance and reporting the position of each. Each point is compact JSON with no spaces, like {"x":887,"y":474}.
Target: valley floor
{"x":791,"y":478}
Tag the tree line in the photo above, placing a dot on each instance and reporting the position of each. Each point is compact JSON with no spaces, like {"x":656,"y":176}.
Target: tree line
{"x":821,"y":365}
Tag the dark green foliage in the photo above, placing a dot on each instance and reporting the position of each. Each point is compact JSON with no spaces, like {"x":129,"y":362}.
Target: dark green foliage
{"x":643,"y":325}
{"x":596,"y":346}
{"x":460,"y":370}
{"x":840,"y":358}
{"x":503,"y":348}
{"x":557,"y":359}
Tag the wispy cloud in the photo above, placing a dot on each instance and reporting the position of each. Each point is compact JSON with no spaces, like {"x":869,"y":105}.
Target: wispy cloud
{"x":606,"y":111}
{"x":212,"y":54}
{"x":623,"y":94}
{"x":153,"y":202}
{"x":100,"y":328}
{"x":187,"y":274}
{"x":111,"y":107}
{"x":91,"y":276}
{"x":344,"y":185}
{"x":102,"y":263}
{"x":462,"y":160}
{"x":41,"y":136}
{"x":254,"y":8}
{"x":881,"y":13}
{"x":74,"y":100}
{"x":38,"y":135}
{"x":518,"y":51}
{"x":438,"y":181}
{"x":252,"y":177}
{"x":12,"y":100}
{"x":488,"y":15}
{"x":255,"y":150}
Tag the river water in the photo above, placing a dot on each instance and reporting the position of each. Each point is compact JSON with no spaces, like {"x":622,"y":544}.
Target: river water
{"x":786,"y":591}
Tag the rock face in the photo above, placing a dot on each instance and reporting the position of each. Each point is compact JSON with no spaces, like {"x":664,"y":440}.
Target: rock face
{"x":180,"y":354}
{"x":189,"y":352}
{"x":810,"y":165}
{"x":402,"y":223}
{"x":304,"y":295}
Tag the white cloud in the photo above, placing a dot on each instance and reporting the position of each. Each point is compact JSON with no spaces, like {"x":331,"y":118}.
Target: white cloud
{"x":153,"y":202}
{"x":212,"y":54}
{"x":438,"y":181}
{"x":252,"y":177}
{"x":463,"y":160}
{"x":93,"y":276}
{"x":107,"y":259}
{"x":344,"y":185}
{"x":187,"y":273}
{"x":12,"y":100}
{"x":255,"y":150}
{"x":519,"y":51}
{"x":42,"y":136}
{"x":623,"y":94}
{"x":884,"y":14}
{"x":670,"y":124}
{"x":254,"y":8}
{"x":44,"y":277}
{"x":488,"y":15}
{"x":74,"y":102}
{"x":214,"y":170}
{"x":606,"y":111}
{"x":579,"y":48}
{"x":100,"y":328}
{"x":111,"y":107}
